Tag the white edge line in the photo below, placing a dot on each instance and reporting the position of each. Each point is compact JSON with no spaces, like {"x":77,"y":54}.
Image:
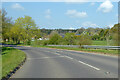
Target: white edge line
{"x":43,"y":57}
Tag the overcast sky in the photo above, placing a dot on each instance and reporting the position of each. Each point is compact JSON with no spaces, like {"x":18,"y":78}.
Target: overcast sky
{"x":66,"y":15}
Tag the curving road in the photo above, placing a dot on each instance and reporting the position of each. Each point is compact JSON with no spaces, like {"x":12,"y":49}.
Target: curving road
{"x":56,"y":63}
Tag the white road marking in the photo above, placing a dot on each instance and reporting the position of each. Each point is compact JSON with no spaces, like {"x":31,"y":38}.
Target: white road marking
{"x":44,"y":57}
{"x":38,"y":58}
{"x":59,"y":51}
{"x":89,"y":65}
{"x":56,"y":53}
{"x":47,"y":51}
{"x":62,"y":56}
{"x":68,"y":57}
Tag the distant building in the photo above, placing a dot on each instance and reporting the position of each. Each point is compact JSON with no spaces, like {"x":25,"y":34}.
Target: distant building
{"x":40,"y":39}
{"x":77,"y":34}
{"x":43,"y":39}
{"x":33,"y":39}
{"x":46,"y":39}
{"x":62,"y":35}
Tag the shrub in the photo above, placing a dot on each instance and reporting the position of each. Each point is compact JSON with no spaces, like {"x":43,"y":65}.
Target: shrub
{"x":84,"y":39}
{"x":55,"y":39}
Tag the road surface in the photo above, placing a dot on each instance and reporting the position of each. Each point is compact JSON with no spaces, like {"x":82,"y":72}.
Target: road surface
{"x":56,"y":63}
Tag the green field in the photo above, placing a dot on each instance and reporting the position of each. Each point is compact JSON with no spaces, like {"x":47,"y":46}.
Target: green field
{"x":11,"y":58}
{"x":104,"y":43}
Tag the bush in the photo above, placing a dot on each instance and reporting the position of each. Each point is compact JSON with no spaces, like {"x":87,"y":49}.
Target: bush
{"x":55,"y":39}
{"x":40,"y":42}
{"x":45,"y":42}
{"x":69,"y":38}
{"x":28,"y":42}
{"x":84,"y":39}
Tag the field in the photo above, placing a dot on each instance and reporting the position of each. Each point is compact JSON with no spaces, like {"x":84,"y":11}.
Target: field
{"x":11,"y":58}
{"x":104,"y":43}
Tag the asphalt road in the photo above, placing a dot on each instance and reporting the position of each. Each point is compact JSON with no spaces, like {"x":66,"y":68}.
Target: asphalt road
{"x":56,"y":63}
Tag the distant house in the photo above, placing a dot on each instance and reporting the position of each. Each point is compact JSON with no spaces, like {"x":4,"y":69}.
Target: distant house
{"x":62,"y":35}
{"x":33,"y":39}
{"x":46,"y":39}
{"x":43,"y":39}
{"x":77,"y":34}
{"x":40,"y":39}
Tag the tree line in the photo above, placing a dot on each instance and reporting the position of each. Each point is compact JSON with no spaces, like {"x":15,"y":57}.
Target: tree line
{"x":24,"y":29}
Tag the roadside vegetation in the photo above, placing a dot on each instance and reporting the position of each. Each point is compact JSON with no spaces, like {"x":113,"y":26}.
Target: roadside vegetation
{"x":11,"y":58}
{"x":0,"y":64}
{"x":99,"y":51}
{"x":24,"y":31}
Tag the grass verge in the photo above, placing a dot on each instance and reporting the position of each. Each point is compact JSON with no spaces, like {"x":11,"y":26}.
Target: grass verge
{"x":99,"y":51}
{"x":11,"y":58}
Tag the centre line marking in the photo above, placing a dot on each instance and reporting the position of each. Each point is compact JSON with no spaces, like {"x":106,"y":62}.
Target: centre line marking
{"x":44,"y":58}
{"x":62,"y":56}
{"x":56,"y":53}
{"x":89,"y":65}
{"x":68,"y":57}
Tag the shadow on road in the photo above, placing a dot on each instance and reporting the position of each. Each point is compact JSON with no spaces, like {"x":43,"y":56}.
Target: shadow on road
{"x":5,"y":47}
{"x":24,"y":49}
{"x":9,"y":45}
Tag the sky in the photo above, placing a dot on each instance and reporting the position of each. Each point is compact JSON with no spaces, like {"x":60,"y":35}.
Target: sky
{"x":66,"y":15}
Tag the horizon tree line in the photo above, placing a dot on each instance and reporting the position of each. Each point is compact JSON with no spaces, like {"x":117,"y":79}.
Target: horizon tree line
{"x":23,"y":29}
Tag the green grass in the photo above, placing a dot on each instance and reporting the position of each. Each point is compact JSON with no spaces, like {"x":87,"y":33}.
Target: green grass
{"x":96,"y":42}
{"x":113,"y":52}
{"x":102,"y":51}
{"x":11,"y":58}
{"x":0,"y":66}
